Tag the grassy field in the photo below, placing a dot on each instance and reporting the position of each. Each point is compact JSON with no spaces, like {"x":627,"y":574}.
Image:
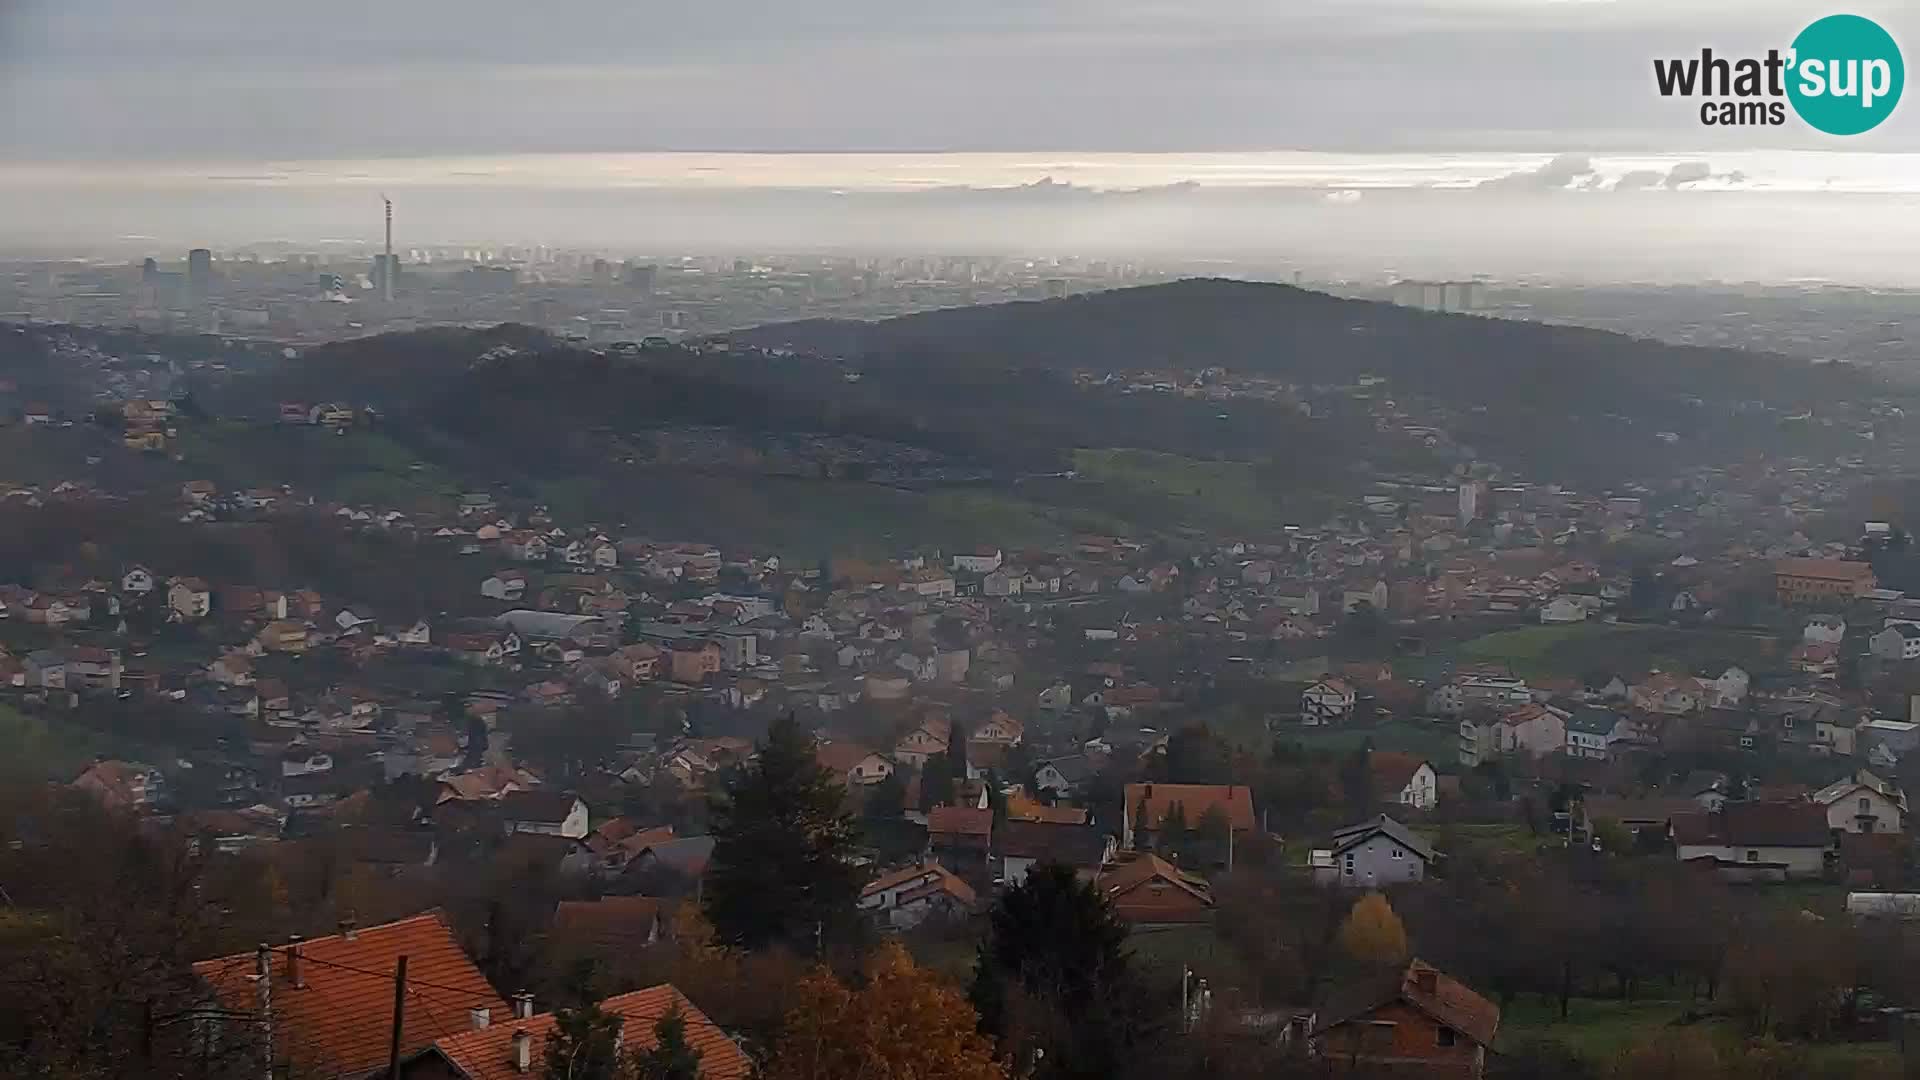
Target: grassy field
{"x":1574,"y":649}
{"x":34,"y":749}
{"x":1223,"y":495}
{"x":1439,"y":743}
{"x":1599,"y":1030}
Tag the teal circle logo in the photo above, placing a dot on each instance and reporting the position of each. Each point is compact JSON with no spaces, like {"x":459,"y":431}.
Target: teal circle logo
{"x":1845,"y":75}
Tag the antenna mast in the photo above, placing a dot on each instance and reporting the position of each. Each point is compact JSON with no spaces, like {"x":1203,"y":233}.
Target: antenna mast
{"x":386,"y":265}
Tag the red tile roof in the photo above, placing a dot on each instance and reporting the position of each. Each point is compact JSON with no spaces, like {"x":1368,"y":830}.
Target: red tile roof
{"x":339,"y":1018}
{"x":487,"y":1054}
{"x":1235,"y":800}
{"x":960,"y":821}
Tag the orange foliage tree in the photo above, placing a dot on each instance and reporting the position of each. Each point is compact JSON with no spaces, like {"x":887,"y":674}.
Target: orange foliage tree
{"x":902,"y":1023}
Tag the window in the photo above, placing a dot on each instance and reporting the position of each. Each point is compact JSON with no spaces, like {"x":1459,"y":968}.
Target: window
{"x":1398,"y":854}
{"x":1447,"y":1036}
{"x":1349,"y":862}
{"x":1753,"y":856}
{"x":1866,"y":804}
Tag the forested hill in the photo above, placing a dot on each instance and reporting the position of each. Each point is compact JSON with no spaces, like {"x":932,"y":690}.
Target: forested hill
{"x":1313,"y":338}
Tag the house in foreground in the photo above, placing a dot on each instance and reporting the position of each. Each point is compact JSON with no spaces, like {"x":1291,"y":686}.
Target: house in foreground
{"x":331,"y":999}
{"x":1412,"y":1021}
{"x":516,"y":1046}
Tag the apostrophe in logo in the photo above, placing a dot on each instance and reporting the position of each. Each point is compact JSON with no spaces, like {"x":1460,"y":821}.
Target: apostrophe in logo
{"x":1842,"y":75}
{"x":1846,"y":75}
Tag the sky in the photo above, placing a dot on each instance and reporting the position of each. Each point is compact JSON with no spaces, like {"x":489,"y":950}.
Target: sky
{"x":228,"y":117}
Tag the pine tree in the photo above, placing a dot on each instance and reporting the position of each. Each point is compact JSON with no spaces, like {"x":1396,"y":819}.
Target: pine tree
{"x":1173,"y":832}
{"x":781,"y":869}
{"x":584,"y":1045}
{"x":671,"y":1057}
{"x":1053,"y":974}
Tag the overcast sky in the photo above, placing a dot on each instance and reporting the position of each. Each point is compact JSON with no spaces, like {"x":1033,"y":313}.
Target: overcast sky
{"x":239,"y":79}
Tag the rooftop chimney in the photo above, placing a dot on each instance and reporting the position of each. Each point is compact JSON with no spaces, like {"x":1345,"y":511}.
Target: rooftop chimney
{"x":349,"y":929}
{"x":523,"y":1006}
{"x":294,"y":976}
{"x":1426,"y":980}
{"x":479,"y":1018}
{"x":522,"y":1051}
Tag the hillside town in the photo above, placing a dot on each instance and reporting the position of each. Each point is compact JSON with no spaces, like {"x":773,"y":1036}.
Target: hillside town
{"x":1602,"y":672}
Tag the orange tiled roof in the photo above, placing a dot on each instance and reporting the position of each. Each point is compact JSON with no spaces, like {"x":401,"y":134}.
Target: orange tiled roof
{"x":487,"y":1054}
{"x":1234,"y":800}
{"x":339,"y":1018}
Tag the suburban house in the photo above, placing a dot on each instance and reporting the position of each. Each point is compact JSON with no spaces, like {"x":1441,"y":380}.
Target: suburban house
{"x":1590,"y":733}
{"x":1756,"y":841}
{"x":1372,"y":854}
{"x":514,"y":1046}
{"x":903,"y":899}
{"x":1145,"y":808}
{"x":1899,"y":641}
{"x":507,"y":585}
{"x":930,"y":738}
{"x":1822,"y":581}
{"x":1863,"y":803}
{"x":328,"y":1017}
{"x":609,"y":924}
{"x":138,"y":580}
{"x":1412,"y":1020}
{"x":1020,"y":845}
{"x":853,"y":764}
{"x":1651,"y":816}
{"x":1146,"y":890}
{"x":1564,"y":609}
{"x":1675,"y":695}
{"x":960,"y":836}
{"x":544,"y":813}
{"x":981,"y":561}
{"x":1403,"y":779}
{"x":1062,"y":776}
{"x":1328,"y":701}
{"x":121,"y":785}
{"x":1824,"y":630}
{"x":189,"y":598}
{"x":1535,"y":730}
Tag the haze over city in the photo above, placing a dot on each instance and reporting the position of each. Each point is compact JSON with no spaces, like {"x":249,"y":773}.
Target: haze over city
{"x":1440,"y":137}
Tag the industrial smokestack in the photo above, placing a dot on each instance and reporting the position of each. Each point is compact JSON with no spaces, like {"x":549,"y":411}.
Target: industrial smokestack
{"x":386,"y":266}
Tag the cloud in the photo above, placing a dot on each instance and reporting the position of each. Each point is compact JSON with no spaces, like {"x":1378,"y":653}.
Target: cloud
{"x":1557,"y":175}
{"x":1346,"y":197}
{"x":1688,"y":172}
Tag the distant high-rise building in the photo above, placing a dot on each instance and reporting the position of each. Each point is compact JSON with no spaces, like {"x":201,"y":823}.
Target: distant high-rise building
{"x":200,"y":272}
{"x":602,"y":273}
{"x":1453,"y":296}
{"x":149,"y":270}
{"x":642,"y":278}
{"x":1056,"y":288}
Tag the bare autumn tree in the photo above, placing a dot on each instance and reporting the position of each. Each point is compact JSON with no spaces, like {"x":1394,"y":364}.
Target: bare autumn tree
{"x":96,"y":974}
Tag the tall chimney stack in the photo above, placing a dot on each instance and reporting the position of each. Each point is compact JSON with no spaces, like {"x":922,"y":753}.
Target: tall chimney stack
{"x":386,"y":267}
{"x":293,"y":961}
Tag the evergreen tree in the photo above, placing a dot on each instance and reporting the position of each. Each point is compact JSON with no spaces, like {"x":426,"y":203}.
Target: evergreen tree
{"x":672,"y":1057}
{"x":584,"y":1045}
{"x":1173,"y":832}
{"x":1052,"y":974}
{"x":1212,"y":839}
{"x":781,"y":869}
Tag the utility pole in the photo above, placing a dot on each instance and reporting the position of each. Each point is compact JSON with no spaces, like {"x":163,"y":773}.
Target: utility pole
{"x":399,"y":1017}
